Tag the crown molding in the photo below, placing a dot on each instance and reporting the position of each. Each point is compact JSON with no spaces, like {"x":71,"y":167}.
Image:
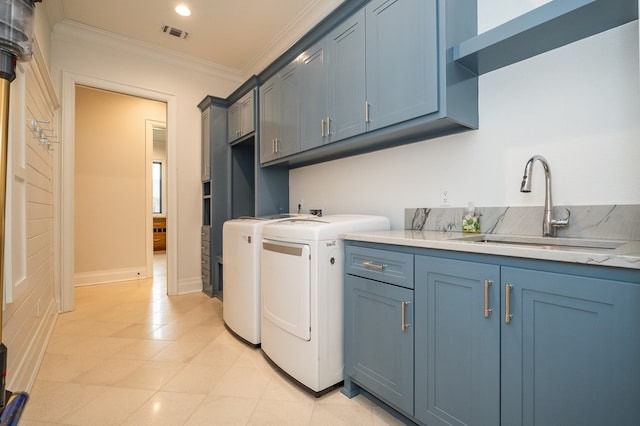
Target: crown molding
{"x":77,"y":32}
{"x":315,"y":12}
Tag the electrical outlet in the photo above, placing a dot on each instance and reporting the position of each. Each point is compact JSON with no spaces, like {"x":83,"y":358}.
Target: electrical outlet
{"x":444,"y":197}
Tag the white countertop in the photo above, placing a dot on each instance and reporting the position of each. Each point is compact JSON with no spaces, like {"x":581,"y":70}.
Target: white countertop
{"x":627,"y":255}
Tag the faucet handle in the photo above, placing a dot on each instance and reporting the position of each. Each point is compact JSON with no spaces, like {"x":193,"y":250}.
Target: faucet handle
{"x":556,"y":223}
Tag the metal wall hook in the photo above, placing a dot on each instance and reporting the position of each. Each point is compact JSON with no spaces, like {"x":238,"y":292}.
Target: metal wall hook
{"x":44,"y":135}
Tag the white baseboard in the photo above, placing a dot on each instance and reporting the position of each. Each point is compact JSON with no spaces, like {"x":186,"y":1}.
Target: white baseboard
{"x":192,"y":285}
{"x":114,"y":275}
{"x":25,"y":370}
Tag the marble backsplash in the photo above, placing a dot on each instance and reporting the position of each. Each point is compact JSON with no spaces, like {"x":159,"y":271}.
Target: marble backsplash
{"x":612,"y":222}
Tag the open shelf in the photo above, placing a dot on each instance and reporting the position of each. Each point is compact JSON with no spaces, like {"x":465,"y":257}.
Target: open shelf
{"x":545,"y":28}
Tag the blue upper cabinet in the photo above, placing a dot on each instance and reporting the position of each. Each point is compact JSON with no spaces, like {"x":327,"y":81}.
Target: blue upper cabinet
{"x":314,"y":96}
{"x":333,"y":85}
{"x":380,"y":74}
{"x":280,"y":114}
{"x":402,"y":61}
{"x":241,"y":118}
{"x":347,"y":79}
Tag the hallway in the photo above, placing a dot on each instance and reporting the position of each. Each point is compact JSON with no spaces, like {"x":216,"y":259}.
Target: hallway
{"x":131,"y":355}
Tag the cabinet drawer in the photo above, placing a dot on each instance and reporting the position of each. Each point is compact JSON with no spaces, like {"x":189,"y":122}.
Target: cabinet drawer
{"x":206,"y":262}
{"x":159,"y":241}
{"x":204,"y":247}
{"x":381,"y":265}
{"x":205,"y":233}
{"x":206,"y":278}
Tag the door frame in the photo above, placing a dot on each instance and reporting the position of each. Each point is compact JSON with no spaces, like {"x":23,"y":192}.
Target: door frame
{"x":64,"y":220}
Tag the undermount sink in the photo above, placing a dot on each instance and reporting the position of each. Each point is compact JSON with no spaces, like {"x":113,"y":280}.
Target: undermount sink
{"x":542,"y":242}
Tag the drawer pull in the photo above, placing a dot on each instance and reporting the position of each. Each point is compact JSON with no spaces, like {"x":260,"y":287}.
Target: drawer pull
{"x":487,"y":310}
{"x":373,"y":265}
{"x":404,"y":325}
{"x":507,"y":303}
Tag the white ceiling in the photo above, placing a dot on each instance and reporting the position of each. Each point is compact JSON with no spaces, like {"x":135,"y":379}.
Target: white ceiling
{"x":233,"y":34}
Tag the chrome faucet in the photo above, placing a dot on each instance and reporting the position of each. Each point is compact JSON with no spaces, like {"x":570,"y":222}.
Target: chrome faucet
{"x":549,"y":224}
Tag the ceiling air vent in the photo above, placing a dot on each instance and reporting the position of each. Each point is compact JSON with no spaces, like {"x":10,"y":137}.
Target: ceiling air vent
{"x":173,"y":31}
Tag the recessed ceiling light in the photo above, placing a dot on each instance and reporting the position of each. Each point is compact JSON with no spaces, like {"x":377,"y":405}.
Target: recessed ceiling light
{"x":183,"y":10}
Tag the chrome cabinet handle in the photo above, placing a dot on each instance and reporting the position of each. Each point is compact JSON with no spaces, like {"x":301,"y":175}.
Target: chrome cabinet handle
{"x":367,"y":107}
{"x":328,"y":126}
{"x":404,"y":325}
{"x":322,"y":131}
{"x":507,"y":303}
{"x":373,"y":265}
{"x":487,"y":310}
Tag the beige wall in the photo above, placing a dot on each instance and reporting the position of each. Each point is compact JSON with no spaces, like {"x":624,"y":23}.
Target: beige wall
{"x":110,"y":184}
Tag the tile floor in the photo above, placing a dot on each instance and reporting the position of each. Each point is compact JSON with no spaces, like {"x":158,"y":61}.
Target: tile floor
{"x":130,"y":355}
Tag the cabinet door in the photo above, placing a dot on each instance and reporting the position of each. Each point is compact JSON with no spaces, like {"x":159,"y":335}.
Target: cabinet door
{"x":288,"y":142}
{"x":570,"y":354}
{"x":205,"y":145}
{"x":269,"y":118}
{"x":401,"y":57}
{"x":314,"y":97}
{"x":346,"y":46}
{"x":457,"y":344}
{"x":234,"y":121}
{"x":378,"y":352}
{"x":247,"y":115}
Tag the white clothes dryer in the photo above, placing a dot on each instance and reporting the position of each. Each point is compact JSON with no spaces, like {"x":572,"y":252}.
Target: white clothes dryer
{"x":241,"y":241}
{"x":302,"y":267}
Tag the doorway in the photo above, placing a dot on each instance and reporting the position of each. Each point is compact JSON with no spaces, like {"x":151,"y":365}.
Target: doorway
{"x":114,"y":153}
{"x":66,"y":187}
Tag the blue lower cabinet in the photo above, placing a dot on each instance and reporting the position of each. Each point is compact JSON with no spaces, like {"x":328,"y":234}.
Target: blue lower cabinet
{"x":457,"y":342}
{"x":571,"y":351}
{"x":379,"y":341}
{"x":498,"y":341}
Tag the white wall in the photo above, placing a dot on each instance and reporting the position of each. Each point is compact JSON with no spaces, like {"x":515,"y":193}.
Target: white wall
{"x":87,"y":53}
{"x":579,"y":106}
{"x":29,"y":311}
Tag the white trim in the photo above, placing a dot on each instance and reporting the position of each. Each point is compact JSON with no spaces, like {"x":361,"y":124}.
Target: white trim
{"x":65,"y":222}
{"x":92,"y":36}
{"x":290,"y":34}
{"x":149,"y":126}
{"x":112,"y":275}
{"x":25,"y":371}
{"x":193,"y":285}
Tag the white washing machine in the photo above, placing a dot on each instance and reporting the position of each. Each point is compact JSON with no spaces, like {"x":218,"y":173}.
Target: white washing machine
{"x":241,"y":240}
{"x":302,"y":267}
